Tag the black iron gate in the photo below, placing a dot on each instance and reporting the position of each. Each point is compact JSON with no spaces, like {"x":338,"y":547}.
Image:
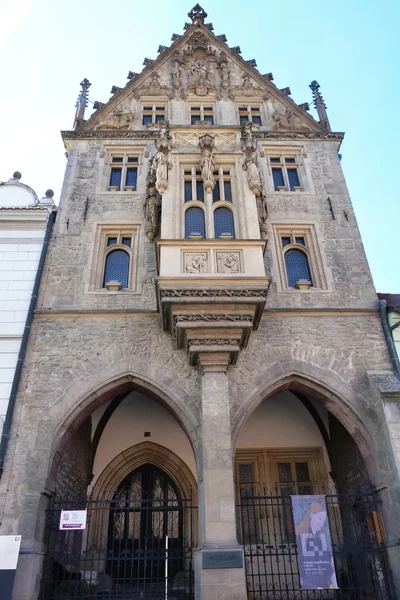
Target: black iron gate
{"x":133,"y":547}
{"x":266,"y":529}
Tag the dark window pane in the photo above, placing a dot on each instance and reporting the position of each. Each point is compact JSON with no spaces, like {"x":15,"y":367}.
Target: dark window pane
{"x":243,"y":119}
{"x":223,"y":222}
{"x":208,"y":109}
{"x":117,"y":159}
{"x":117,"y":268}
{"x":286,"y":241}
{"x":297,"y":267}
{"x":115,"y":179}
{"x":290,"y":160}
{"x":131,"y":177}
{"x":209,"y":119}
{"x":111,"y":241}
{"x":293,"y":178}
{"x":246,"y":473}
{"x":187,"y":172}
{"x":226,"y":173}
{"x":278,"y":178}
{"x":159,"y":118}
{"x":306,"y":490}
{"x":148,"y":108}
{"x":146,"y":119}
{"x":194,"y":222}
{"x":216,"y":192}
{"x":160,"y":108}
{"x":302,"y":472}
{"x":228,"y":191}
{"x":198,"y":173}
{"x":200,"y":191}
{"x":256,"y":119}
{"x":127,"y":241}
{"x":188,"y":191}
{"x":133,"y":159}
{"x":275,"y":159}
{"x":195,"y":109}
{"x":285,"y":472}
{"x":300,"y":240}
{"x":194,"y":119}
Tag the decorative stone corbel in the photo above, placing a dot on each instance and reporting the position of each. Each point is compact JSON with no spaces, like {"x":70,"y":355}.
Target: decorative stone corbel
{"x":207,"y":143}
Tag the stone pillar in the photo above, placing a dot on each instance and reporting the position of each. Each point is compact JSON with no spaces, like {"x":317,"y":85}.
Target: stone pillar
{"x":217,"y":524}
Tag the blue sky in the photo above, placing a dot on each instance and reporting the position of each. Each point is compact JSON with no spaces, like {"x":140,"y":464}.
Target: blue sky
{"x":349,"y":46}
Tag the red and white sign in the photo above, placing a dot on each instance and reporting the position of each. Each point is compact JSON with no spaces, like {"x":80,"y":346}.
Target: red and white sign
{"x":73,"y":520}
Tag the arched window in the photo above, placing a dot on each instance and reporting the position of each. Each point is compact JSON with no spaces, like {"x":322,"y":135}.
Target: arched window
{"x":194,"y":222}
{"x":117,"y":268}
{"x":223,"y":222}
{"x":297,"y":267}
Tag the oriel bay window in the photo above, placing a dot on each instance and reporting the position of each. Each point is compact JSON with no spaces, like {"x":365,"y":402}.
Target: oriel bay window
{"x":213,"y":218}
{"x":123,"y":173}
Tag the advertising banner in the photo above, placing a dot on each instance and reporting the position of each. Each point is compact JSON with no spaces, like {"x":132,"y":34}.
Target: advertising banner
{"x":9,"y":551}
{"x":314,"y":545}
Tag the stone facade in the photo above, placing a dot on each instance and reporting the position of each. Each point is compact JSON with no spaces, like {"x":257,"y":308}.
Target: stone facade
{"x":210,"y":338}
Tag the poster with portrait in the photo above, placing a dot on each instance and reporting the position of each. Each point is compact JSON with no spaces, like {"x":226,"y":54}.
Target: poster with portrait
{"x":314,"y":545}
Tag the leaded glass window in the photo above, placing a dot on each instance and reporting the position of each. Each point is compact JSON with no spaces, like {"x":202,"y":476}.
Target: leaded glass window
{"x":195,"y":222}
{"x":297,"y":267}
{"x":117,"y":267}
{"x":223,"y":222}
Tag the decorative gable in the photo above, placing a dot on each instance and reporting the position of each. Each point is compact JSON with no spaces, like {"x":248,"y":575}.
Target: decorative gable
{"x":200,"y":65}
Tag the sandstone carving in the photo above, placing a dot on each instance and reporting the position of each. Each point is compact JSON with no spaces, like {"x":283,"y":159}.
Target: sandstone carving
{"x":161,"y":157}
{"x":196,"y":263}
{"x":116,"y":120}
{"x":152,"y":206}
{"x":207,"y":164}
{"x":228,"y":262}
{"x":262,"y":211}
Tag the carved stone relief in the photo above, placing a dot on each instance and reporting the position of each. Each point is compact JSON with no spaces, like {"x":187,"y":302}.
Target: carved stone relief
{"x":119,"y":118}
{"x":196,"y":262}
{"x":262,"y":211}
{"x":251,"y":162}
{"x":192,"y":139}
{"x":154,"y":88}
{"x":151,"y":206}
{"x":228,"y":262}
{"x":284,"y":118}
{"x":248,"y":88}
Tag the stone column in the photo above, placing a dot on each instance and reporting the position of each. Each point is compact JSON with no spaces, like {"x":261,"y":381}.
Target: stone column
{"x":219,"y":563}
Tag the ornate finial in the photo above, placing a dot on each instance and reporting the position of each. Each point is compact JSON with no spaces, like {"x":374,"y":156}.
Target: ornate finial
{"x":197,"y":15}
{"x":286,"y":91}
{"x":305,"y":106}
{"x":175,"y":36}
{"x":132,"y":75}
{"x":268,"y":76}
{"x":82,"y":101}
{"x":222,"y":38}
{"x":252,"y":62}
{"x":148,"y":61}
{"x":320,"y":105}
{"x":115,"y":89}
{"x":162,"y":49}
{"x":97,"y":105}
{"x":236,"y":50}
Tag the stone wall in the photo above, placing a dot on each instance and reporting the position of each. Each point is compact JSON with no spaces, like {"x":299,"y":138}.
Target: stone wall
{"x":75,"y":470}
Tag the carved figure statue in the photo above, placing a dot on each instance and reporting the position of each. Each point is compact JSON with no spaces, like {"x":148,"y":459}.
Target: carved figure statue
{"x":285,"y":118}
{"x":152,"y":205}
{"x":253,"y":175}
{"x":161,"y":166}
{"x":207,"y":165}
{"x":248,"y":142}
{"x":176,"y":75}
{"x":262,"y":211}
{"x":224,"y":75}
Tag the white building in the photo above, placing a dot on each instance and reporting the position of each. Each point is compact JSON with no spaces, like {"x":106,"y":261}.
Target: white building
{"x":24,"y":221}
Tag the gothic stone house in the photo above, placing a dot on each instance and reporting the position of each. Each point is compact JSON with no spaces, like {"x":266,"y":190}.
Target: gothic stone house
{"x":206,"y":344}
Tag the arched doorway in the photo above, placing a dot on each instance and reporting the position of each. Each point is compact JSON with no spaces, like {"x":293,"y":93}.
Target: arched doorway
{"x":146,"y":531}
{"x":294,"y":458}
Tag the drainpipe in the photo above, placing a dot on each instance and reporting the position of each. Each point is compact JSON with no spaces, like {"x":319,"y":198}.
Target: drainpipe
{"x":389,"y":340}
{"x":24,"y":342}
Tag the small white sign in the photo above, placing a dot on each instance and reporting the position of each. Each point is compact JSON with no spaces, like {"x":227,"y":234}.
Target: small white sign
{"x":9,"y":551}
{"x":73,"y":520}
